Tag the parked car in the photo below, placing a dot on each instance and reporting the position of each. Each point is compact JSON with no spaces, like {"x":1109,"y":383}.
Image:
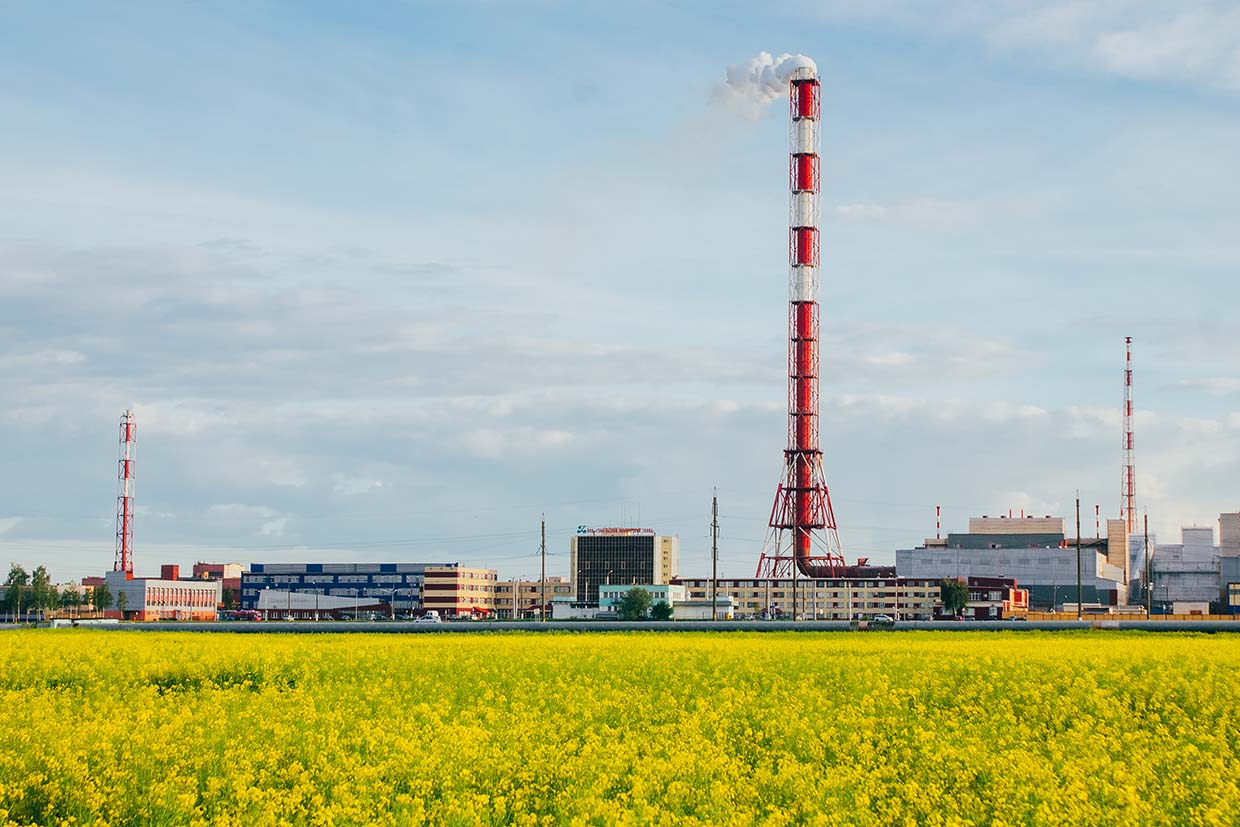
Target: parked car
{"x":883,"y":619}
{"x":431,"y":616}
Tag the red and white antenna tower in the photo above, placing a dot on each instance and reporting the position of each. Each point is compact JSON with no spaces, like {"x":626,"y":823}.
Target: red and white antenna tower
{"x":1128,"y":498}
{"x":124,"y":495}
{"x":802,"y":527}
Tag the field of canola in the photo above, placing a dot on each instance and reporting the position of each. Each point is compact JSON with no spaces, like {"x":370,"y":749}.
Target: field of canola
{"x":115,"y":728}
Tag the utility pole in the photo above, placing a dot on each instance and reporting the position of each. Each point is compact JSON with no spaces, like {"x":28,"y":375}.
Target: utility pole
{"x":1078,"y":555}
{"x":714,"y":555}
{"x":1149,"y":585}
{"x":543,"y":582}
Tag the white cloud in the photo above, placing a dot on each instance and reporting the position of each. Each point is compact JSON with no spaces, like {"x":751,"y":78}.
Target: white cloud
{"x":1191,"y":40}
{"x":353,"y":486}
{"x":502,"y":443}
{"x":1215,"y":386}
{"x":273,"y":528}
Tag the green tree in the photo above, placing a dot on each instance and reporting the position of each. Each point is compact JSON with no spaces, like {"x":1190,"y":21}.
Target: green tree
{"x":42,"y":592}
{"x":122,"y":602}
{"x":230,"y":599}
{"x":954,"y":594}
{"x":101,"y":597}
{"x":635,"y":604}
{"x":15,"y":589}
{"x":70,"y":597}
{"x":661,"y":610}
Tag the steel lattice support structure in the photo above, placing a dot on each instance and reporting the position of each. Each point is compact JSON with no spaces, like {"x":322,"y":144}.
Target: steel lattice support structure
{"x":802,"y":528}
{"x":1128,"y":483}
{"x":124,"y":495}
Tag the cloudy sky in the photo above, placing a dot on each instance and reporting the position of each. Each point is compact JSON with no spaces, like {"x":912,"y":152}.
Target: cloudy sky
{"x":388,"y":283}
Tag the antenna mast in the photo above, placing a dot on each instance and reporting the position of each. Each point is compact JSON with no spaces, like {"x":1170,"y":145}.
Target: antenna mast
{"x":124,"y":496}
{"x":1128,"y":510}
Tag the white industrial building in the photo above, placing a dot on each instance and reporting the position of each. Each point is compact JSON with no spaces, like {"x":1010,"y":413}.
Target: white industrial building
{"x":1035,"y":552}
{"x":164,"y":598}
{"x":1190,"y":576}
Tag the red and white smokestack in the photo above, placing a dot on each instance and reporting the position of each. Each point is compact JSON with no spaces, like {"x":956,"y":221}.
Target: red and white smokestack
{"x":125,"y":492}
{"x":802,"y":509}
{"x":805,"y":94}
{"x":938,"y":522}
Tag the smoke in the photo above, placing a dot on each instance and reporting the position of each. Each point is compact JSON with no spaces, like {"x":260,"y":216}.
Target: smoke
{"x":763,"y":79}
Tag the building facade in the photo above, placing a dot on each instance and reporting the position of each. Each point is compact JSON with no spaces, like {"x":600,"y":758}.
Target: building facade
{"x":528,"y":597}
{"x":454,"y":590}
{"x":1186,"y":573}
{"x":286,"y":605}
{"x":163,"y":598}
{"x":995,"y":598}
{"x":229,"y":575}
{"x":620,"y":556}
{"x":1033,"y":552}
{"x":397,"y":584}
{"x":836,"y":599}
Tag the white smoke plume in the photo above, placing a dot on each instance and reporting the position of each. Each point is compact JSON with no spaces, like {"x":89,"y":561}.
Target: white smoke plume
{"x":763,"y":79}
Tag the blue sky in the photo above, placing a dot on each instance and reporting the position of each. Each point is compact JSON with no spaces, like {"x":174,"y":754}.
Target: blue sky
{"x":390,"y":282}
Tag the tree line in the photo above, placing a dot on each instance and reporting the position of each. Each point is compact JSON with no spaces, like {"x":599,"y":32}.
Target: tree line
{"x":34,"y":592}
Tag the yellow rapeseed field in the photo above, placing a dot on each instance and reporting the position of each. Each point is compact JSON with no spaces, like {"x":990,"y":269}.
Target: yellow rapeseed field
{"x":127,"y":728}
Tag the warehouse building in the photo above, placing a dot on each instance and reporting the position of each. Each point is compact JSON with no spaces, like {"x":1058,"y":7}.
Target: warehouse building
{"x":396,"y":584}
{"x":286,"y":605}
{"x":1033,"y":552}
{"x":620,"y":556}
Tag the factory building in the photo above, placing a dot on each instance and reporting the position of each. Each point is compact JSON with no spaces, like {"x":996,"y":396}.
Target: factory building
{"x":850,"y":598}
{"x":1034,"y":552}
{"x":528,"y":597}
{"x":1191,"y":576}
{"x":454,"y":590}
{"x":396,"y":584}
{"x":620,"y":556}
{"x":166,"y":597}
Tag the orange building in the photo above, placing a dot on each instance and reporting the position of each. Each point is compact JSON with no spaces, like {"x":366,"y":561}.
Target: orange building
{"x":454,"y":590}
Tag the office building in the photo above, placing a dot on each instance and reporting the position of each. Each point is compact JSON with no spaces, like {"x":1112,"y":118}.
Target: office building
{"x":620,"y":556}
{"x":454,"y":590}
{"x":834,"y":599}
{"x":529,"y":595}
{"x":166,"y":597}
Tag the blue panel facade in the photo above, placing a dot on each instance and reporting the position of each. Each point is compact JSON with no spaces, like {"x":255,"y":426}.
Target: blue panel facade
{"x":399,"y":585}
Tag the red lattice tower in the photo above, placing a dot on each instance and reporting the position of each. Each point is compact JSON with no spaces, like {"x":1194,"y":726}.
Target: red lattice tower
{"x":1128,"y":482}
{"x":802,"y":525}
{"x":124,"y":495}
